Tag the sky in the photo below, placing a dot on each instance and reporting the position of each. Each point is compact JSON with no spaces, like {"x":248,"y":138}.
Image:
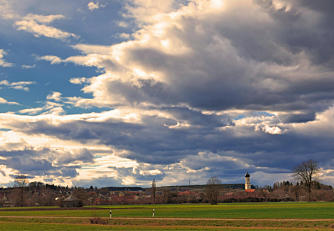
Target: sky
{"x":120,"y":92}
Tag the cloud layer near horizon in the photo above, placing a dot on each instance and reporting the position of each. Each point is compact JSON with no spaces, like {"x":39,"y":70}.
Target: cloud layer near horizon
{"x":200,"y":88}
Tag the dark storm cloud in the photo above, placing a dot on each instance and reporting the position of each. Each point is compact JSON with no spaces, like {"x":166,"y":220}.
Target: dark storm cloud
{"x":83,"y":155}
{"x":298,"y":118}
{"x":297,"y":31}
{"x":144,"y":141}
{"x":68,"y":172}
{"x":198,"y":118}
{"x":276,"y":63}
{"x":34,"y":163}
{"x":154,"y":143}
{"x":242,"y":64}
{"x":32,"y":167}
{"x":325,"y":7}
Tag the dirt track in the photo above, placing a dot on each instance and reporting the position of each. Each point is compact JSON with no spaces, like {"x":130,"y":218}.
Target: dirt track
{"x":157,"y":223}
{"x":194,"y":227}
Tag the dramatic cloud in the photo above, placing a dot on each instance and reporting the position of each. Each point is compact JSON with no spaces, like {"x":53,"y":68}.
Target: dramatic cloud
{"x":247,"y":66}
{"x":198,"y":88}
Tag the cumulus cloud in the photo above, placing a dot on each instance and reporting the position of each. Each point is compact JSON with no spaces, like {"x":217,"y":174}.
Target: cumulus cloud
{"x":37,"y":25}
{"x":203,"y":152}
{"x":204,"y":88}
{"x":42,"y":157}
{"x":3,"y":63}
{"x":234,"y":67}
{"x":148,"y":11}
{"x":251,"y":66}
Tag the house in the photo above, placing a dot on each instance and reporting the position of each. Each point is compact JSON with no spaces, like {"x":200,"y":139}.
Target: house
{"x":71,"y":201}
{"x":6,"y":202}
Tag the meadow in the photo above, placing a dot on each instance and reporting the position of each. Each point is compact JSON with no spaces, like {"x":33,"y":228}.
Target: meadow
{"x":233,"y":216}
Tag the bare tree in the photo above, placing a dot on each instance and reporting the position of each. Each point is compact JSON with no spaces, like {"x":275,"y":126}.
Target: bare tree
{"x":20,"y":181}
{"x":19,"y":184}
{"x":154,"y":189}
{"x":306,"y":172}
{"x":212,"y":190}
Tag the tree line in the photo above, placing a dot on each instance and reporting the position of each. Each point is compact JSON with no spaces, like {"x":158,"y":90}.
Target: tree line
{"x":304,"y":188}
{"x":305,"y":176}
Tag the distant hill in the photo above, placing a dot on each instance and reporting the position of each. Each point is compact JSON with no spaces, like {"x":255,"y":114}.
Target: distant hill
{"x":174,"y":187}
{"x":123,"y":188}
{"x":201,"y":187}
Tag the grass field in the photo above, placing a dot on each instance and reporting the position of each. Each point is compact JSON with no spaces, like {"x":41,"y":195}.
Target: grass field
{"x":66,"y":227}
{"x":235,"y":216}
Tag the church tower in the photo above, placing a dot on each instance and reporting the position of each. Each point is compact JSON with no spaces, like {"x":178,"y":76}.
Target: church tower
{"x":247,"y":181}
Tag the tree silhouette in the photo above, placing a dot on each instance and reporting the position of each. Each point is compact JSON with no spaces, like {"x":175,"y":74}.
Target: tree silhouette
{"x":306,"y":172}
{"x":212,"y":190}
{"x":154,"y":189}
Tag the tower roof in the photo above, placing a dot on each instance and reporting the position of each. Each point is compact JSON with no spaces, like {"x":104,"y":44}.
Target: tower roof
{"x":247,"y":175}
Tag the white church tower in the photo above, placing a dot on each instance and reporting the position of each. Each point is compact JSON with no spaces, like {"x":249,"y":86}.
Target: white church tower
{"x":247,"y":181}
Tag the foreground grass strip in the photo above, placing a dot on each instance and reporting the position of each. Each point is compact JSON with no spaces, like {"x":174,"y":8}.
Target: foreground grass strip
{"x":70,"y":227}
{"x":236,"y":216}
{"x":183,"y":222}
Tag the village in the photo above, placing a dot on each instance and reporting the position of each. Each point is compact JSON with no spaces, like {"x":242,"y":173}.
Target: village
{"x":40,"y":194}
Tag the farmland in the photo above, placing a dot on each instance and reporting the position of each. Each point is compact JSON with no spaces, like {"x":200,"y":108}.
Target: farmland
{"x":234,"y":216}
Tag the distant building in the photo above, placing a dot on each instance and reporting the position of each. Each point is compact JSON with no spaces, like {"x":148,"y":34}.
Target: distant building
{"x":6,"y":202}
{"x":71,"y":201}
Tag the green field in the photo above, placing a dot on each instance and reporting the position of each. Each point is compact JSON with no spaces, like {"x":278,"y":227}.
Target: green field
{"x":234,"y":216}
{"x":66,"y":227}
{"x":314,"y":210}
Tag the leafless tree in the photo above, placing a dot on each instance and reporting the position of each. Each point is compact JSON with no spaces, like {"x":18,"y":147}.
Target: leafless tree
{"x":306,"y":172}
{"x":212,"y":190}
{"x":19,"y":186}
{"x":154,"y":189}
{"x":20,"y":181}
